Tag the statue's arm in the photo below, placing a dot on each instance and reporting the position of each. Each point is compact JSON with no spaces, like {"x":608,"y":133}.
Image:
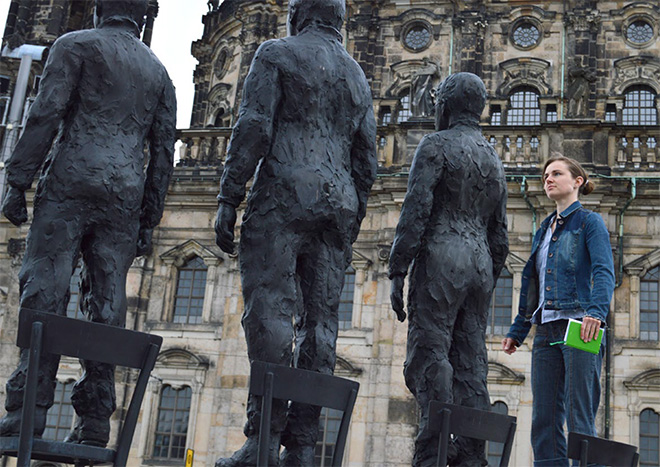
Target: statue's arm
{"x":364,"y":164}
{"x":57,"y":89}
{"x":498,"y":239}
{"x":425,"y":174}
{"x":162,"y":137}
{"x":251,"y":139}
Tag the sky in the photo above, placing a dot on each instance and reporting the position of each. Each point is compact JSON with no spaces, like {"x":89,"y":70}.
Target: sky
{"x":178,"y":24}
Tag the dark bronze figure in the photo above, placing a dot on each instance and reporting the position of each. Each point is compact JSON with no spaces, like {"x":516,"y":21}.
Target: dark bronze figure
{"x":453,"y":230}
{"x":103,"y":95}
{"x":306,"y":121}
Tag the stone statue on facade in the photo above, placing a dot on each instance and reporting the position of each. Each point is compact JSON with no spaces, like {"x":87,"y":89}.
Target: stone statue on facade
{"x":306,"y":125}
{"x":453,"y":230}
{"x":423,"y":85}
{"x":103,"y":96}
{"x":578,"y":91}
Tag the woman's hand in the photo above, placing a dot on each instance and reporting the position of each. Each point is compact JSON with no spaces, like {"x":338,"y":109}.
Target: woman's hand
{"x":589,"y":329}
{"x":509,"y":346}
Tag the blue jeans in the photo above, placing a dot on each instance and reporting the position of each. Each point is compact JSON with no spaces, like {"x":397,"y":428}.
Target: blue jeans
{"x":566,"y":389}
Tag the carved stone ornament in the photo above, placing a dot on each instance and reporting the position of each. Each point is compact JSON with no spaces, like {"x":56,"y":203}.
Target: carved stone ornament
{"x":524,"y":71}
{"x":403,"y":74}
{"x":636,"y":70}
{"x":583,"y":21}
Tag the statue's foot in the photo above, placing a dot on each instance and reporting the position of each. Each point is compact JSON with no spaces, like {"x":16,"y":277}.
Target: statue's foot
{"x":299,"y":456}
{"x":10,"y":424}
{"x":90,"y":431}
{"x":247,"y":455}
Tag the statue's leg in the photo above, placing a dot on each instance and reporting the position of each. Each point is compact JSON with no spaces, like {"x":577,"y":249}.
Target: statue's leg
{"x":321,"y":269}
{"x":267,"y":256}
{"x":49,"y":260}
{"x":469,"y":358}
{"x":107,"y":253}
{"x":432,"y":307}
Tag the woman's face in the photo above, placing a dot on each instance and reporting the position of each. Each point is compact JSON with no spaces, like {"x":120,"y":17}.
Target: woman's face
{"x":559,"y":183}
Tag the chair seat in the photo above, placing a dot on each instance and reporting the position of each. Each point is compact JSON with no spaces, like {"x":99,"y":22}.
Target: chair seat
{"x":57,"y":451}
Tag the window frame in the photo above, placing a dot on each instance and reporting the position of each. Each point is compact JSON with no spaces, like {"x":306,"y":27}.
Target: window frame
{"x":524,"y":109}
{"x":171,"y":434}
{"x":656,"y":282}
{"x":639,"y":88}
{"x":653,"y":436}
{"x":190,"y":297}
{"x":508,"y":275}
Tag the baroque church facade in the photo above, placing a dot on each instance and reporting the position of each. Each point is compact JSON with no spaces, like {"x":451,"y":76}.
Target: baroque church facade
{"x":579,"y":77}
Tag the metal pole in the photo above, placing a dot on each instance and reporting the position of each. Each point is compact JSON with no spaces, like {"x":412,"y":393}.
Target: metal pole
{"x":15,"y":115}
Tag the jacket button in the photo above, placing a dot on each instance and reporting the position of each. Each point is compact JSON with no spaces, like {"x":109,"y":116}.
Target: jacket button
{"x":551,"y":255}
{"x":560,"y":222}
{"x":549,"y":302}
{"x":554,"y":239}
{"x":548,"y":289}
{"x":549,"y":271}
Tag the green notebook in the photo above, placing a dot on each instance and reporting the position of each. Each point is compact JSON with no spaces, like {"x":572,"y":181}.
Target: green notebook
{"x":572,"y":338}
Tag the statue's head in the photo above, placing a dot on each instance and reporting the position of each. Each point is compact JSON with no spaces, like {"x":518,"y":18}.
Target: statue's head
{"x":305,"y":12}
{"x":134,"y":10}
{"x":461,"y":95}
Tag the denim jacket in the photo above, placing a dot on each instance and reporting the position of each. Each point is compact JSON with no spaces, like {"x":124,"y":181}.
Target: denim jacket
{"x":579,"y":272}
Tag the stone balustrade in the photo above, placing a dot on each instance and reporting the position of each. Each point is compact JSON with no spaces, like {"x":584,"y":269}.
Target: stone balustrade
{"x":637,"y":148}
{"x":203,"y":147}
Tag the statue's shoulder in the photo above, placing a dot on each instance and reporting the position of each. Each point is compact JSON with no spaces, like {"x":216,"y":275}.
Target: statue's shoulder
{"x":82,"y":36}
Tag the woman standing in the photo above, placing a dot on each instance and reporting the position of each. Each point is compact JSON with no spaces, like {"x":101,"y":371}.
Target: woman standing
{"x":570,"y":274}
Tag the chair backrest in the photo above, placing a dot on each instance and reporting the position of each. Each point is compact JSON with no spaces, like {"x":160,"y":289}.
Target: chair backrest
{"x":87,"y":340}
{"x":307,"y":387}
{"x":472,"y":423}
{"x":602,"y":451}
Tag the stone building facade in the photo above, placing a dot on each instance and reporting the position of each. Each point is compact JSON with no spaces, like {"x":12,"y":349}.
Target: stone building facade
{"x":579,"y":77}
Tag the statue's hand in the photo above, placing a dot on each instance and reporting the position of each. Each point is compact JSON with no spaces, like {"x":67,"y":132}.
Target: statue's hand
{"x":14,"y":206}
{"x":396,"y":297}
{"x":224,"y":228}
{"x":144,"y":242}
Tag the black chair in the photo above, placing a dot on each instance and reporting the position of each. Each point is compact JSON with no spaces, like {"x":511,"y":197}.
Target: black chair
{"x":272,"y":381}
{"x":449,"y":419}
{"x":587,"y":448}
{"x":48,"y":333}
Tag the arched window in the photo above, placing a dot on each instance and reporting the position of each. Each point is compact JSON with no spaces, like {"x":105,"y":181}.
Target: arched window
{"x":190,"y":288}
{"x":649,"y":438}
{"x":59,"y":419}
{"x":524,"y":107}
{"x":494,"y":450}
{"x":639,"y":106}
{"x":649,"y":305}
{"x":499,"y":313}
{"x":328,"y":431}
{"x":346,"y":300}
{"x":73,"y":309}
{"x":172,"y":423}
{"x":403,"y":109}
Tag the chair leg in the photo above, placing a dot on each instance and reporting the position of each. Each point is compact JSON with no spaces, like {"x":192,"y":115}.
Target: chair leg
{"x":266,"y":413}
{"x":26,"y":435}
{"x":584,"y":449}
{"x":508,"y":445}
{"x":443,"y":445}
{"x":343,"y":429}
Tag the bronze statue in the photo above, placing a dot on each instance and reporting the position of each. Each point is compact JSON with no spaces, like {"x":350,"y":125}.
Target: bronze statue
{"x":103,"y":95}
{"x":453,"y":230}
{"x":306,"y":124}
